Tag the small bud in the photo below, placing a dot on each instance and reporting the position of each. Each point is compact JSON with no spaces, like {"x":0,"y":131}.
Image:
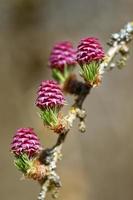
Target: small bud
{"x":89,"y":56}
{"x":62,"y":60}
{"x":37,"y":171}
{"x":50,"y":99}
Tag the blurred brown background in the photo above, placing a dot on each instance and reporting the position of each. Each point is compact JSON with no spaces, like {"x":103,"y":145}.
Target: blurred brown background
{"x":99,"y":164}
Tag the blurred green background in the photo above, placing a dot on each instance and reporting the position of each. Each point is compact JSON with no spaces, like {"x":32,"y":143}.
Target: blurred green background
{"x":97,"y":165}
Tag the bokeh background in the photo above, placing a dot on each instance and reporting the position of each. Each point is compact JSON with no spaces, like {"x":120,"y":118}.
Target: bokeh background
{"x":97,"y":165}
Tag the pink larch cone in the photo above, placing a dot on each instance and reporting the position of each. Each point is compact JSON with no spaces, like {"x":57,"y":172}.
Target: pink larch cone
{"x":25,"y":141}
{"x":63,"y":54}
{"x":88,"y":50}
{"x":49,"y":95}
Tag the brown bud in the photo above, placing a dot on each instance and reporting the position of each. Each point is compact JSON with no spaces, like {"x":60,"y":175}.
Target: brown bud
{"x":37,"y":171}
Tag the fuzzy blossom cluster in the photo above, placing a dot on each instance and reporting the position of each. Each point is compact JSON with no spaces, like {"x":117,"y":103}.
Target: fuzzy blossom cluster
{"x":62,"y":55}
{"x":89,"y":50}
{"x":49,"y":95}
{"x":25,"y":141}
